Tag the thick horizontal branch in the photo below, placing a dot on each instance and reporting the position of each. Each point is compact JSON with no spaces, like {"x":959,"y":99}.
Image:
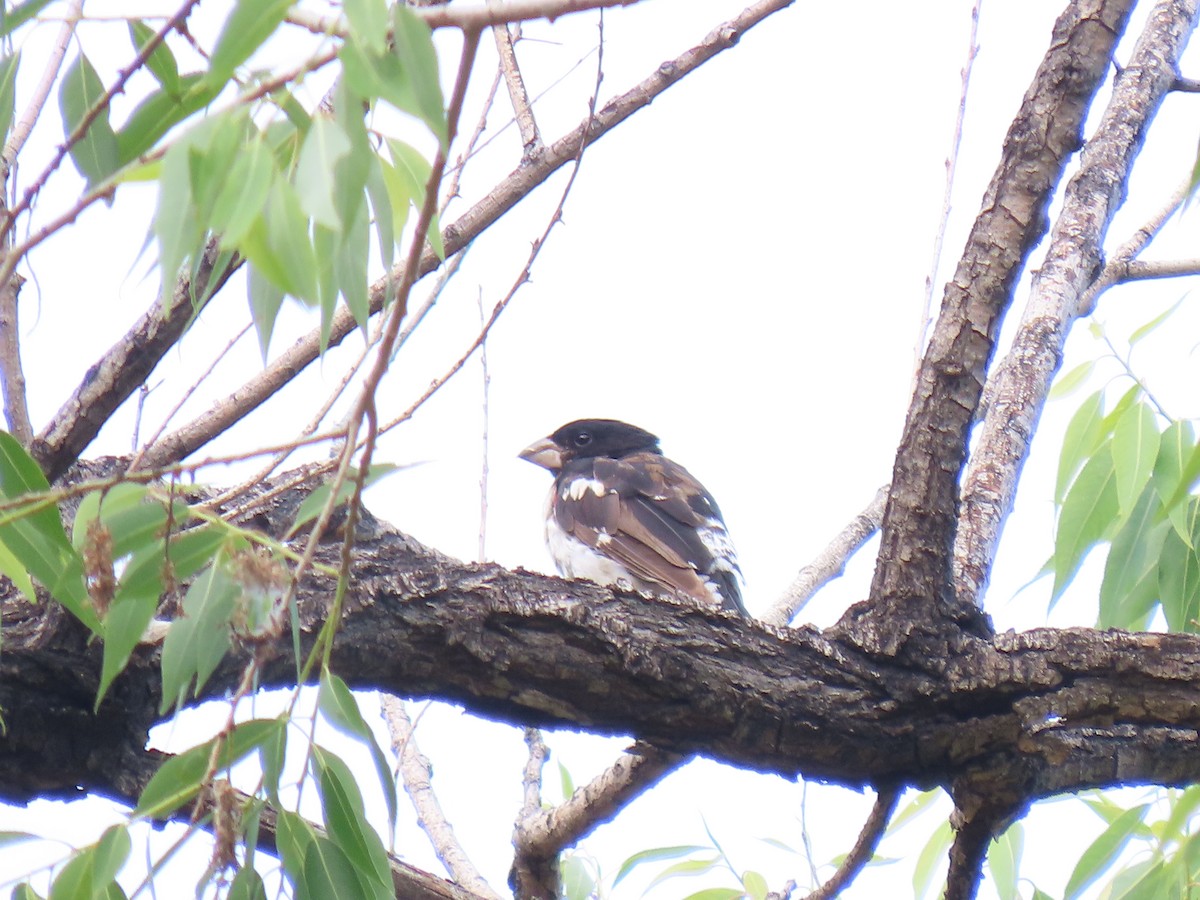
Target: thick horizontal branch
{"x":1047,"y":711}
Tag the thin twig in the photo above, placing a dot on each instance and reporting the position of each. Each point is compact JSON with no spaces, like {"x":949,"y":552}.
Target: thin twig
{"x":483,"y":449}
{"x":33,"y":109}
{"x":939,"y":237}
{"x":417,"y":776}
{"x":829,"y":564}
{"x":187,"y":395}
{"x":531,"y":140}
{"x":864,"y":847}
{"x":471,"y":17}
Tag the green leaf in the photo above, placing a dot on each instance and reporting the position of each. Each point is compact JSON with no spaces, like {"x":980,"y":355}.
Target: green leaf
{"x":931,"y":858}
{"x":1187,"y":479}
{"x":718,"y":893}
{"x":124,"y":625}
{"x":25,"y":892}
{"x":293,"y":837}
{"x":248,"y":26}
{"x":90,"y":874}
{"x":247,"y":885}
{"x":198,"y":641}
{"x":1130,"y":586}
{"x":576,"y":877}
{"x":188,"y":553}
{"x":686,"y":868}
{"x":244,"y":194}
{"x":1083,"y":436}
{"x":157,"y":114}
{"x":1103,"y":851}
{"x":1065,"y":384}
{"x":312,"y":505}
{"x":37,"y":538}
{"x":337,"y":704}
{"x":413,"y":172}
{"x":272,"y":755}
{"x":95,"y":154}
{"x":12,"y":19}
{"x":8,"y":92}
{"x":1153,"y":324}
{"x":414,"y":48}
{"x":755,"y":885}
{"x":135,"y":518}
{"x":176,"y":223}
{"x":566,"y":783}
{"x":657,"y":854}
{"x":325,"y":247}
{"x":161,"y":62}
{"x":265,"y":302}
{"x":1088,"y":512}
{"x":279,"y":245}
{"x":384,"y":214}
{"x":1176,"y":447}
{"x":346,"y":822}
{"x":1179,"y":575}
{"x":350,"y":266}
{"x":180,"y":778}
{"x":1135,"y":443}
{"x":368,"y":23}
{"x":1004,"y":861}
{"x":328,"y":874}
{"x":324,"y":148}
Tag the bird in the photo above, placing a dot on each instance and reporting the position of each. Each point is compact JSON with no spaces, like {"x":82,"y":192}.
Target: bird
{"x":621,"y":514}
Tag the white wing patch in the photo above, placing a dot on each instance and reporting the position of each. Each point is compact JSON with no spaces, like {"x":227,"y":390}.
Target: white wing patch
{"x":716,"y":541}
{"x":574,"y":490}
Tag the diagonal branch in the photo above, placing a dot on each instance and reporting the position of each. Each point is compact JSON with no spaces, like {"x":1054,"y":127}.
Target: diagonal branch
{"x":1073,"y":262}
{"x":864,"y":848}
{"x":911,"y":594}
{"x":470,"y":225}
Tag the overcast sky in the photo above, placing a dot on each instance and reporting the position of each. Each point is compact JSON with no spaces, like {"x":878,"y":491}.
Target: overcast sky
{"x":741,"y":271}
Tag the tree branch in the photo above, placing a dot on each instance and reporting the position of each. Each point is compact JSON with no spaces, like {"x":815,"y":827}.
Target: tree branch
{"x":912,"y":597}
{"x":1073,"y":262}
{"x":864,"y":848}
{"x":417,"y":775}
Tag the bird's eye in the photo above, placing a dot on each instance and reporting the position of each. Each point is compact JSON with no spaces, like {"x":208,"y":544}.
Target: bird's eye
{"x":583,"y":439}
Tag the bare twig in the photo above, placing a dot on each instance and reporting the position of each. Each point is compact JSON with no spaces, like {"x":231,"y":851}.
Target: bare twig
{"x":1057,"y":296}
{"x":417,"y":776}
{"x":531,"y":140}
{"x":1141,"y":270}
{"x":829,"y":564}
{"x":483,"y":449}
{"x":472,"y":17}
{"x":33,"y":109}
{"x":939,"y":237}
{"x":503,"y":197}
{"x":864,"y":847}
{"x":12,"y":374}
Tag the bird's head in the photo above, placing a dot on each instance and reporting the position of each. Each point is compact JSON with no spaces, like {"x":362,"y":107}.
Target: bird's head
{"x":589,"y":438}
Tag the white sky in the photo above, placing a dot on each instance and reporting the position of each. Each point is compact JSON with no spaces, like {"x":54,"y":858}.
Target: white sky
{"x":741,"y":271}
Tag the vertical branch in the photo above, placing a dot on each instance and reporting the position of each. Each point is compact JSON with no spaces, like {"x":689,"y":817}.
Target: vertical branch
{"x":1073,"y":263}
{"x":12,"y":375}
{"x":912,"y":586}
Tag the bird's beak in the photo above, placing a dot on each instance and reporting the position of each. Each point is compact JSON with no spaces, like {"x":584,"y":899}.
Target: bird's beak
{"x":544,"y":453}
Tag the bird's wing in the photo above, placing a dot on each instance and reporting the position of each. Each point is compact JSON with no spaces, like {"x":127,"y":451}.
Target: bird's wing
{"x":653,"y":517}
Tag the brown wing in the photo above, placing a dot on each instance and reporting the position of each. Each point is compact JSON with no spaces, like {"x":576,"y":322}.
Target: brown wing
{"x":653,"y":517}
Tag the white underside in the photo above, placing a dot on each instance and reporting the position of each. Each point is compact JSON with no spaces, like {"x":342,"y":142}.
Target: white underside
{"x":575,"y":559}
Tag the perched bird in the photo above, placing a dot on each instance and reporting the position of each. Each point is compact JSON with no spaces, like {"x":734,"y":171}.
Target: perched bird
{"x":620,"y":513}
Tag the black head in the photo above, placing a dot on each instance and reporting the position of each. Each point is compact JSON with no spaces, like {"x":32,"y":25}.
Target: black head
{"x":589,"y":438}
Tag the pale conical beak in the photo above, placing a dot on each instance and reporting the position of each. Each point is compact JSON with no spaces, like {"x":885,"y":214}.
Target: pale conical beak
{"x":544,"y":453}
